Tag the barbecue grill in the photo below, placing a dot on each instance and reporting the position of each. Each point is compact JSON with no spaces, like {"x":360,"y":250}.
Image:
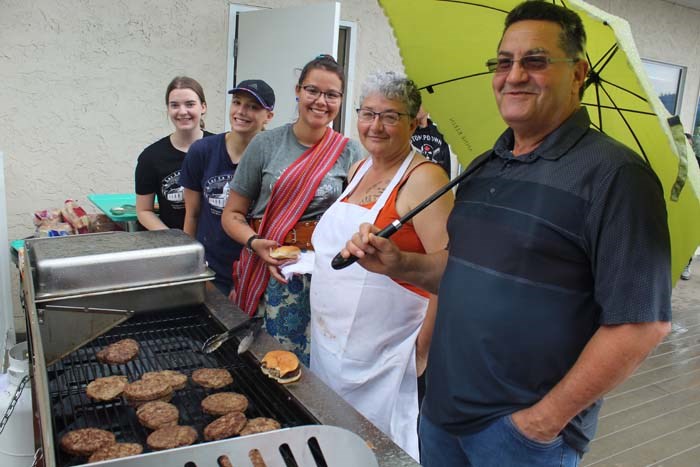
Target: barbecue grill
{"x":150,"y":286}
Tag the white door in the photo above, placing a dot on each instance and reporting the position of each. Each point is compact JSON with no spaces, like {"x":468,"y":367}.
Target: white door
{"x":274,"y":44}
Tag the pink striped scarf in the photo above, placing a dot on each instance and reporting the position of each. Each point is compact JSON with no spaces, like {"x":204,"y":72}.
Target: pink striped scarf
{"x":291,"y":195}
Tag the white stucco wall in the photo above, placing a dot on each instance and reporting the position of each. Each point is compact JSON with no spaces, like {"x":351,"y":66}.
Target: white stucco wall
{"x":83,"y":82}
{"x":669,"y":33}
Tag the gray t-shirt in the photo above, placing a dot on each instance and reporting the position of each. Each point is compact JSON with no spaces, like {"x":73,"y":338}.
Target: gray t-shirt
{"x":270,"y":153}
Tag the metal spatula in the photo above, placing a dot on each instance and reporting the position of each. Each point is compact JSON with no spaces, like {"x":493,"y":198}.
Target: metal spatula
{"x":246,"y":331}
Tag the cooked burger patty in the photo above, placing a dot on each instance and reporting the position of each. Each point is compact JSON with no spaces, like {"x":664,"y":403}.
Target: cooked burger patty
{"x":157,"y":414}
{"x":107,"y":388}
{"x":144,"y":390}
{"x":259,"y":425}
{"x":170,"y":437}
{"x":225,"y":427}
{"x":176,"y":379}
{"x":213,"y":378}
{"x":222,"y":403}
{"x":121,"y":351}
{"x":115,"y":451}
{"x":85,"y":441}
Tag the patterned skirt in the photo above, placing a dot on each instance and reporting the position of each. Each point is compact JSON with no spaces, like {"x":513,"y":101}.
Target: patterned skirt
{"x":287,"y":314}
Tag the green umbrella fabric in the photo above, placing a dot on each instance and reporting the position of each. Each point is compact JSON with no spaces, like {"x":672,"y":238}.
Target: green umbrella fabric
{"x":445,"y":44}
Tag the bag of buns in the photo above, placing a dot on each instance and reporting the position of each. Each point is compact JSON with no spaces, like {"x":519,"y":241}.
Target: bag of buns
{"x":57,"y":229}
{"x":76,"y":216}
{"x":47,"y":217}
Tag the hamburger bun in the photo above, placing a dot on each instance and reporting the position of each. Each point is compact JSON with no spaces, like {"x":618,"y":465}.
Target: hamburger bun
{"x":282,"y":366}
{"x":285,"y":252}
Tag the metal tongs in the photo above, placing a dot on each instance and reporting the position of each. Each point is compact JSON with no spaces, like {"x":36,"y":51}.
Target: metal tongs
{"x":246,"y":331}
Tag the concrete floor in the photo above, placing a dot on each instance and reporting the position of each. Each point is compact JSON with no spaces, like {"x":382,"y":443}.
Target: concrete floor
{"x":653,"y":419}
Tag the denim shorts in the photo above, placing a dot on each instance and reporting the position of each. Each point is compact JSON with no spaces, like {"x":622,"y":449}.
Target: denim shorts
{"x":500,"y":444}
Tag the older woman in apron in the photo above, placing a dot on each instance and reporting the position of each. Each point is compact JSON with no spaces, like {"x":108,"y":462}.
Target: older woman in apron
{"x":365,"y":327}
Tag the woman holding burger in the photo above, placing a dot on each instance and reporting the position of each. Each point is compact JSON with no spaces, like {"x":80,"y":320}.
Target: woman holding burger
{"x":370,"y":334}
{"x":288,"y":177}
{"x":209,"y":168}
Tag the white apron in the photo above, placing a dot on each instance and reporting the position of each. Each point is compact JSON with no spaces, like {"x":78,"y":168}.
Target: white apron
{"x":364,"y":325}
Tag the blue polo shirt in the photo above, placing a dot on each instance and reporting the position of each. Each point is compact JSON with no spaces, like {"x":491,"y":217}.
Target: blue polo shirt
{"x":544,"y":248}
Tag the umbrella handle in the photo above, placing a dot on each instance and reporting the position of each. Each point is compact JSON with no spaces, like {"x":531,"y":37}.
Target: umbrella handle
{"x":341,"y":263}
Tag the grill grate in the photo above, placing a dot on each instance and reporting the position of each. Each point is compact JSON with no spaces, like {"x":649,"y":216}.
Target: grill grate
{"x":169,"y":340}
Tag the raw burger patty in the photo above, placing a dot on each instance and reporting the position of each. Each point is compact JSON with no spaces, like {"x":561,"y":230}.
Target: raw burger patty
{"x":85,"y":441}
{"x":115,"y":451}
{"x":157,"y":414}
{"x":144,"y":390}
{"x":176,"y":379}
{"x":222,"y":403}
{"x":121,"y":351}
{"x":213,"y":378}
{"x":259,"y":425}
{"x":107,"y":388}
{"x":171,"y":437}
{"x":225,"y":427}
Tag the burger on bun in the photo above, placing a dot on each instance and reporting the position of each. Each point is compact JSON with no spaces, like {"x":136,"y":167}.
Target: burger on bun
{"x":286,"y":252}
{"x":282,"y":366}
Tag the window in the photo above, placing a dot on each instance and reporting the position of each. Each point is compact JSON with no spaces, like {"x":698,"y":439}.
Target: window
{"x":668,"y":82}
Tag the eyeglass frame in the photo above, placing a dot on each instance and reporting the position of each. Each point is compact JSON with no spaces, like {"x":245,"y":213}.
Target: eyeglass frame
{"x":322,"y":93}
{"x":493,"y":63}
{"x":380,"y":115}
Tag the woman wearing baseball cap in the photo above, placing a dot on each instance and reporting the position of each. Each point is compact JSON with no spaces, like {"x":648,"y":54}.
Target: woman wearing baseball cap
{"x":208,"y":170}
{"x":287,"y":179}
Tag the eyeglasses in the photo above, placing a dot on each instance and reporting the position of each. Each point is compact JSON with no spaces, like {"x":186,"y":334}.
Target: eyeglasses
{"x":528,"y":63}
{"x":315,"y":93}
{"x":388,"y":117}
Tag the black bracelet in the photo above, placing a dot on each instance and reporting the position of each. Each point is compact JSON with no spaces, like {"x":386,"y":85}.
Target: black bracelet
{"x":249,"y":242}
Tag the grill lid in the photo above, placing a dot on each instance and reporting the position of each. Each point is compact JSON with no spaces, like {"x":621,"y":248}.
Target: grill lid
{"x":84,"y":285}
{"x":77,"y":266}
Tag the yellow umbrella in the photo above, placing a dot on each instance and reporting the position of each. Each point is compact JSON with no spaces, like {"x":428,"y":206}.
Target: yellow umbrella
{"x":446,"y":43}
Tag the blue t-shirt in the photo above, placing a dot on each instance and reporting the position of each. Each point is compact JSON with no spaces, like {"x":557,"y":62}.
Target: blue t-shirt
{"x":208,"y":169}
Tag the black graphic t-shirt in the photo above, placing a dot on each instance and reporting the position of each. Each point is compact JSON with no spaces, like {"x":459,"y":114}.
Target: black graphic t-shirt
{"x":158,"y":171}
{"x":430,"y":142}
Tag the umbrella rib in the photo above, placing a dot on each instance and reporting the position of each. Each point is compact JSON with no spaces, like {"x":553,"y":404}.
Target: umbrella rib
{"x":621,"y":109}
{"x":629,"y":127}
{"x":624,"y":89}
{"x":429,"y":87}
{"x":474,"y":4}
{"x":607,"y":56}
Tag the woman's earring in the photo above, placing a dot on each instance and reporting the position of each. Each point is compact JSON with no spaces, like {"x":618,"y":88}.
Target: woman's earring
{"x":297,"y":98}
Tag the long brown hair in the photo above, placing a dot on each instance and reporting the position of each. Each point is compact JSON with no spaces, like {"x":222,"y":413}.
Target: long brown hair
{"x":185,"y":82}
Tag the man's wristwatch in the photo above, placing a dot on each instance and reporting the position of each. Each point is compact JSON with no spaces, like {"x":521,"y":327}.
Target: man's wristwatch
{"x":249,"y":242}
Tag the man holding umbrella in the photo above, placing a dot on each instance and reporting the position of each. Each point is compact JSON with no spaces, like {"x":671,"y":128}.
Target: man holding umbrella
{"x":556,"y":283}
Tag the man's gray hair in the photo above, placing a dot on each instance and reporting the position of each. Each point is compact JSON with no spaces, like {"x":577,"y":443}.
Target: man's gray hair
{"x":393,"y":86}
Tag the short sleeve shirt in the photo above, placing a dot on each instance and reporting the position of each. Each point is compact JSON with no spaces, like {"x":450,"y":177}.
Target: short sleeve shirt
{"x":270,"y":153}
{"x":544,"y":248}
{"x":208,"y":170}
{"x":158,"y":172}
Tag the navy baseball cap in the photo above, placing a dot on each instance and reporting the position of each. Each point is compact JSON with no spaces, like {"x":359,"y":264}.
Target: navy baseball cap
{"x":258,"y":89}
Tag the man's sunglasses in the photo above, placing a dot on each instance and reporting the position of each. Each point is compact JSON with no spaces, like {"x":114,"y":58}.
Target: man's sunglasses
{"x":527,"y":63}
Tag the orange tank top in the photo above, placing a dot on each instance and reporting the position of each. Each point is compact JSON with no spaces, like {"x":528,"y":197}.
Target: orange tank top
{"x":406,"y":237}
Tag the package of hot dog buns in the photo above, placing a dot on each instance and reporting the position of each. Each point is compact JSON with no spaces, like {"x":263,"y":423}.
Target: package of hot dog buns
{"x":76,"y":216}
